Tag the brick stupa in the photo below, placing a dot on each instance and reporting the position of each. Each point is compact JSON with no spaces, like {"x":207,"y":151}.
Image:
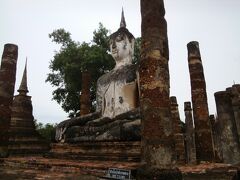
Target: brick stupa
{"x":23,"y":137}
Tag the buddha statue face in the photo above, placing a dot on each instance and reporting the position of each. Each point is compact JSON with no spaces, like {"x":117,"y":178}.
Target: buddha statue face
{"x":122,"y":48}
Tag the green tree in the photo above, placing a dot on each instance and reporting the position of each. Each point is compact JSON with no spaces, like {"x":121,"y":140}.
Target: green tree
{"x":47,"y":131}
{"x":71,"y":60}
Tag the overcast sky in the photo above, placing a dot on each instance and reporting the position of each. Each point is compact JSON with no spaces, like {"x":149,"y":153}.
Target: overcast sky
{"x":215,"y":24}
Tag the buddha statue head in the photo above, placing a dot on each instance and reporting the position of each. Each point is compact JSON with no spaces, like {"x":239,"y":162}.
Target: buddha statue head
{"x":122,"y":45}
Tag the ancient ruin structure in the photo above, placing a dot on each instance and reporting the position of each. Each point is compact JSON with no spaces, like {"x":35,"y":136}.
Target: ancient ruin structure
{"x":117,"y":116}
{"x":23,"y":138}
{"x":157,"y":144}
{"x":230,"y":145}
{"x":190,"y":134}
{"x":7,"y":84}
{"x":85,"y":103}
{"x":178,"y":134}
{"x":203,"y":136}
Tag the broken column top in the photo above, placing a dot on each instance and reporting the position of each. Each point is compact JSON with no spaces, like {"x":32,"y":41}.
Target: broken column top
{"x":187,"y":106}
{"x":173,"y":100}
{"x":221,"y":94}
{"x":193,"y":50}
{"x":10,"y":50}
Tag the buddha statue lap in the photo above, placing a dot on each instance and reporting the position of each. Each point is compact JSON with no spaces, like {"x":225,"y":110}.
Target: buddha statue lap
{"x":117,"y":116}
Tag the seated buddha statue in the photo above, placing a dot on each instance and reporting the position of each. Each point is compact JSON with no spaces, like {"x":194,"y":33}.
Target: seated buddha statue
{"x":117,"y":114}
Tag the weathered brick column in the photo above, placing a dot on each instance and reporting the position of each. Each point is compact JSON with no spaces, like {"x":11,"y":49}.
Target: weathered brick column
{"x":190,"y":134}
{"x":85,"y":103}
{"x":7,"y":83}
{"x":216,"y":138}
{"x":235,"y":91}
{"x":178,"y":134}
{"x":203,"y":136}
{"x":157,"y":145}
{"x":229,"y":137}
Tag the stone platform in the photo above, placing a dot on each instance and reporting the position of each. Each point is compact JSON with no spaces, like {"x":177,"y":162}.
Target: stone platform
{"x":100,"y":151}
{"x":91,"y":160}
{"x":27,"y":143}
{"x":37,"y":167}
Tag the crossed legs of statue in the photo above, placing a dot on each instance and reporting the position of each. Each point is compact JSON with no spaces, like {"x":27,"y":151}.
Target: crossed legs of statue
{"x":94,"y":127}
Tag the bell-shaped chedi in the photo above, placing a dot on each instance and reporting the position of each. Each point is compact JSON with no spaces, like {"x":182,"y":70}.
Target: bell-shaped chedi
{"x":23,"y":137}
{"x":7,"y":84}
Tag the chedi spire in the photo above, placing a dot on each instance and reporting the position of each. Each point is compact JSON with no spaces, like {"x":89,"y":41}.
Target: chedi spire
{"x":23,"y":89}
{"x":123,"y":22}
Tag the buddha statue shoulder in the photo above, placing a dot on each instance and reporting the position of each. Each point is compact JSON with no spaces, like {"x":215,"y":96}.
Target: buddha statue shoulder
{"x":117,"y":114}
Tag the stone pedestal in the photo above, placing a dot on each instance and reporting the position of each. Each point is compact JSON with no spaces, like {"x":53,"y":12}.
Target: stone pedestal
{"x":7,"y":84}
{"x":228,"y":131}
{"x":203,"y":136}
{"x":157,"y":145}
{"x":178,"y":134}
{"x":190,"y":134}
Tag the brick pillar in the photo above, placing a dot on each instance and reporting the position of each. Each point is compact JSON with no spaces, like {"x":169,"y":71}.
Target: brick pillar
{"x":157,"y":145}
{"x":7,"y":83}
{"x":229,"y":137}
{"x":235,"y":91}
{"x":85,"y":103}
{"x":203,"y":136}
{"x":216,"y":138}
{"x":178,"y":134}
{"x":190,"y":134}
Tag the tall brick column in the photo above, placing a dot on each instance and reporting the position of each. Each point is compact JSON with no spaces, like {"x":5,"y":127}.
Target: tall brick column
{"x":7,"y":83}
{"x":190,"y":134}
{"x":85,"y":103}
{"x":157,"y":145}
{"x":203,"y":136}
{"x":178,"y":134}
{"x":229,"y":138}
